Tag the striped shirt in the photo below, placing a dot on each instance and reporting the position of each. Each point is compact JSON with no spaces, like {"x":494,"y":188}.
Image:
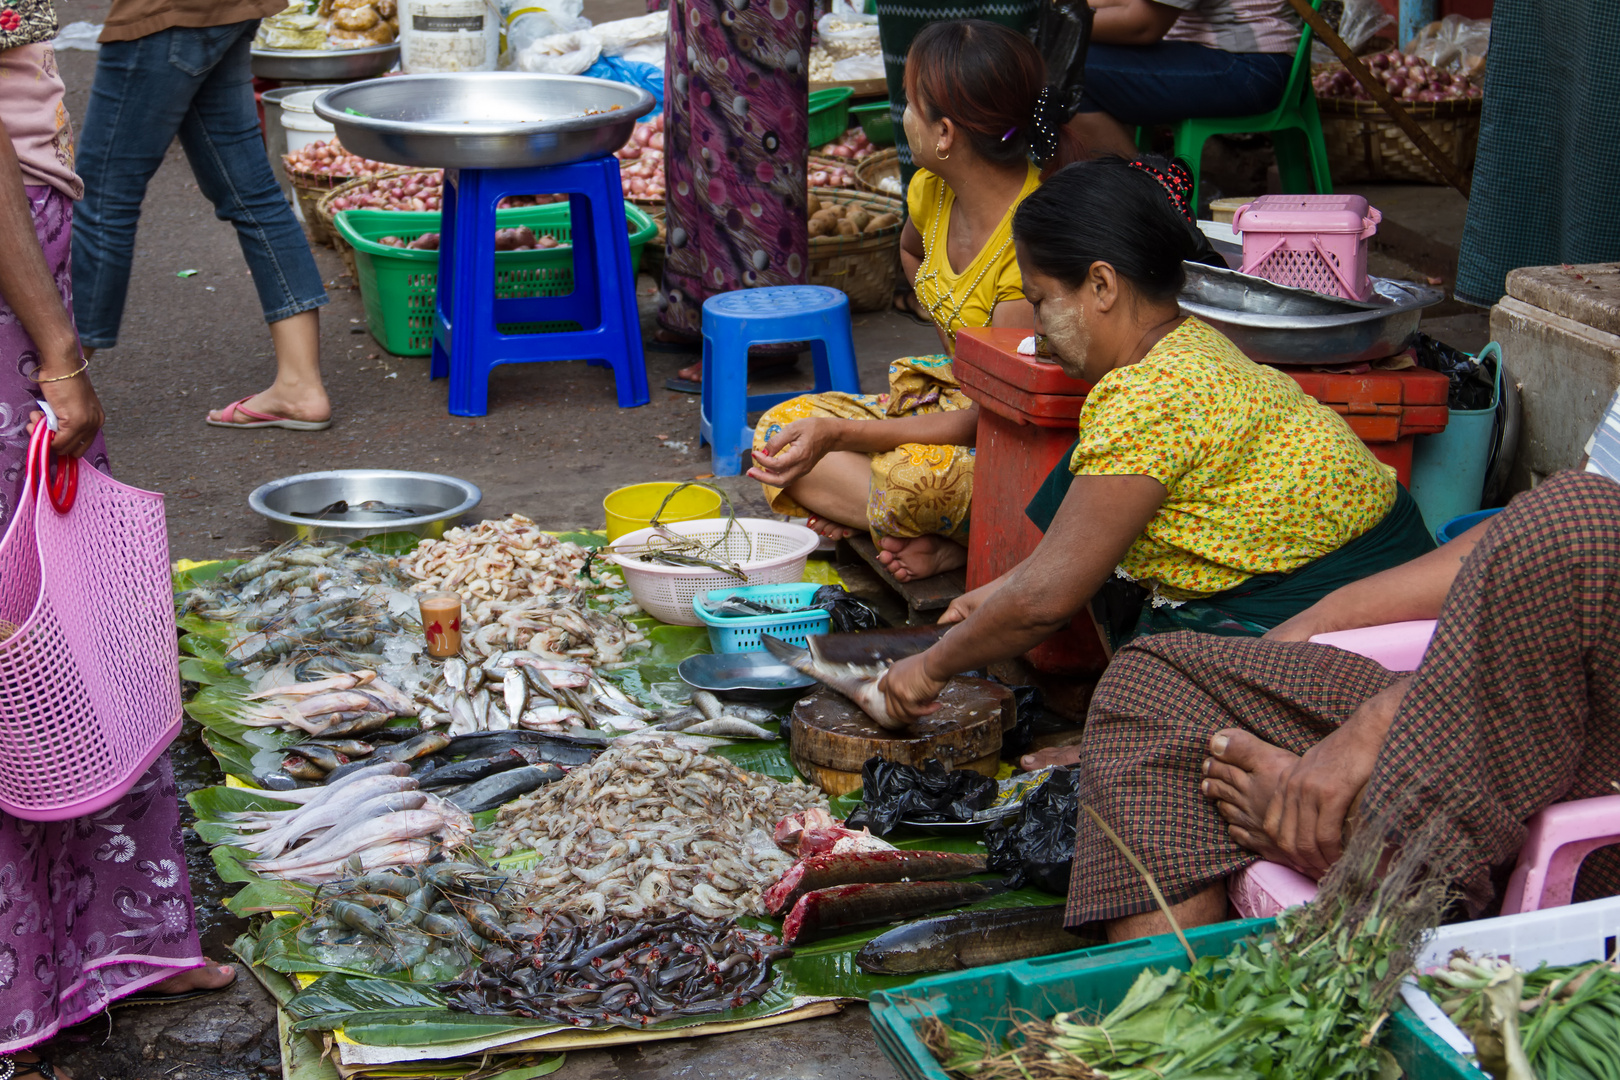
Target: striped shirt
{"x":1603,"y":451}
{"x":1236,"y":26}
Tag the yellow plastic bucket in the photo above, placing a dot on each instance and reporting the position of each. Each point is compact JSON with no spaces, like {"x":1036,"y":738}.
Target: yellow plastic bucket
{"x":631,"y":508}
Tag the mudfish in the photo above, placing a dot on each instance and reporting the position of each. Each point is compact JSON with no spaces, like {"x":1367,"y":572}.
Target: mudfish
{"x":858,"y":682}
{"x":971,"y":939}
{"x":844,"y":906}
{"x":855,"y":867}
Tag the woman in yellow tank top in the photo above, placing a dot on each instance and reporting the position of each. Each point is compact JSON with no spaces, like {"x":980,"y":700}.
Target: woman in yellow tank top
{"x":900,"y":465}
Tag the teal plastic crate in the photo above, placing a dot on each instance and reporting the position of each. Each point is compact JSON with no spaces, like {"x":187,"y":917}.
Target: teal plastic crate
{"x":740,"y":635}
{"x":398,"y":286}
{"x":984,"y":1000}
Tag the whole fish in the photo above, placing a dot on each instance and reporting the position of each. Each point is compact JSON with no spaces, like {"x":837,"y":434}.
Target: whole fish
{"x":343,"y":725}
{"x":349,"y":748}
{"x":515,"y":691}
{"x":314,"y":796}
{"x":729,"y":727}
{"x":319,"y":686}
{"x":480,"y":708}
{"x":341,"y":843}
{"x":426,"y":743}
{"x":843,"y":906}
{"x":393,"y":853}
{"x":270,"y":845}
{"x":326,"y":758}
{"x":503,"y":787}
{"x":455,"y":673}
{"x":462,"y":720}
{"x":467,"y":772}
{"x":535,"y":746}
{"x":858,"y":682}
{"x":825,"y":871}
{"x":970,"y":939}
{"x":299,"y":768}
{"x":367,"y":787}
{"x":707,"y":704}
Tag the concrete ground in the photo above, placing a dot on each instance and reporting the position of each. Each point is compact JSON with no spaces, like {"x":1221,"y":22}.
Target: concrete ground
{"x":552,"y":445}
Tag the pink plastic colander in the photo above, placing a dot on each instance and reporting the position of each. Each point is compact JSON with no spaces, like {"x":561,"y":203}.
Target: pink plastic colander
{"x":1316,"y":242}
{"x":89,"y":678}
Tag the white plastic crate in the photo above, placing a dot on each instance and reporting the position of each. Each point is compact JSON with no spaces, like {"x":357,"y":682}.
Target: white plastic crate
{"x":1573,"y":934}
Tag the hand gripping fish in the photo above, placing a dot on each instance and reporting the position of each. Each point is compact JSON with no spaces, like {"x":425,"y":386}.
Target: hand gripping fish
{"x":854,"y":664}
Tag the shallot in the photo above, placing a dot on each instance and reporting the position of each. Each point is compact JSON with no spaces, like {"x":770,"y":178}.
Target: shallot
{"x":1408,"y":78}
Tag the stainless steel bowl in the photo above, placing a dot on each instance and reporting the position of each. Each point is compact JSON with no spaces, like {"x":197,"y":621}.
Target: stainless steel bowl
{"x":1275,"y":324}
{"x":294,"y":503}
{"x":324,"y":65}
{"x":484,"y":119}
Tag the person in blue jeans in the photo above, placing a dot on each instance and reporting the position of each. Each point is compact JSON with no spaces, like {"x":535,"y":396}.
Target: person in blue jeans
{"x":160,"y":74}
{"x":1159,"y":61}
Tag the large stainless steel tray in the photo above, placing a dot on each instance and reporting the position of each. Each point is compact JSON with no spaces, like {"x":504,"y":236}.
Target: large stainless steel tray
{"x":484,"y":119}
{"x":1275,"y":324}
{"x":324,"y":65}
{"x":294,"y":504}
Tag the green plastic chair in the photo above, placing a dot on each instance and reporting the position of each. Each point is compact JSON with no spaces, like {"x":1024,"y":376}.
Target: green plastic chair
{"x":1294,"y":125}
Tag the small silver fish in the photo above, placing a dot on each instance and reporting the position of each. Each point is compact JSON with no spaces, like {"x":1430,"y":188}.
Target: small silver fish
{"x":475,"y":677}
{"x":455,"y":673}
{"x":515,"y":690}
{"x":707,"y":704}
{"x":462,"y":719}
{"x":480,"y":708}
{"x":729,"y":727}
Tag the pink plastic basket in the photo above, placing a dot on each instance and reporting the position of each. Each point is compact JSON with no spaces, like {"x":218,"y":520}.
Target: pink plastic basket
{"x":89,"y":678}
{"x":1316,"y":242}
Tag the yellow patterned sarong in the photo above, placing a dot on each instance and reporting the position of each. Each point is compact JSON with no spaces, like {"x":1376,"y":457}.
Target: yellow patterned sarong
{"x":915,"y":490}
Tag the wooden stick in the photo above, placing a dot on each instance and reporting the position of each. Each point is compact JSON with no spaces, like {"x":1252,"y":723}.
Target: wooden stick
{"x":1374,"y":86}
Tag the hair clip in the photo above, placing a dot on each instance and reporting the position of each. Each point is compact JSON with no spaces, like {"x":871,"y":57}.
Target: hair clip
{"x":1010,"y":132}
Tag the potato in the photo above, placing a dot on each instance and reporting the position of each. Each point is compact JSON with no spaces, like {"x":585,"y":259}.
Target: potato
{"x":823,"y":225}
{"x":882,"y":221}
{"x":847,"y":227}
{"x":812,"y":207}
{"x":860,"y":216}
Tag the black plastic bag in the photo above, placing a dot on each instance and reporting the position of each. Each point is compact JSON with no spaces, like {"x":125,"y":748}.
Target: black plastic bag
{"x":849,"y":613}
{"x":1473,"y":384}
{"x":892,"y":792}
{"x":1036,"y":845}
{"x":1028,"y":706}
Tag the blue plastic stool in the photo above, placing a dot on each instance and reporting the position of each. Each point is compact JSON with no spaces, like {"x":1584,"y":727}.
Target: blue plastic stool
{"x":466,"y":341}
{"x":734,"y":321}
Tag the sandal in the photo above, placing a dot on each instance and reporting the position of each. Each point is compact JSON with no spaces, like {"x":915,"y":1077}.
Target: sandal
{"x":153,"y":997}
{"x":257,"y":419}
{"x":903,"y":306}
{"x":10,"y":1067}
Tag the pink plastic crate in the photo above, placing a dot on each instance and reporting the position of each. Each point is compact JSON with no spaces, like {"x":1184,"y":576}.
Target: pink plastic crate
{"x":1316,"y":242}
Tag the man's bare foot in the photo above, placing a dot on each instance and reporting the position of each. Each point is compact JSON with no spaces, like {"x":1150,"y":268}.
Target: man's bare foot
{"x":832,"y":530}
{"x":1241,"y":776}
{"x":920,"y":556}
{"x":314,"y":409}
{"x":210,"y":976}
{"x":1051,"y":755}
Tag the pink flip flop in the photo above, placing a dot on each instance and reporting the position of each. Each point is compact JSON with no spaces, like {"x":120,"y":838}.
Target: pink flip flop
{"x":258,"y":419}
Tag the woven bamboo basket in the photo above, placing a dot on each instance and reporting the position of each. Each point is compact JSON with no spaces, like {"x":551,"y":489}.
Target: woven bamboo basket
{"x":1365,"y":145}
{"x":324,"y":211}
{"x":652,"y":256}
{"x":871,"y":170}
{"x":310,"y":190}
{"x":866,"y":267}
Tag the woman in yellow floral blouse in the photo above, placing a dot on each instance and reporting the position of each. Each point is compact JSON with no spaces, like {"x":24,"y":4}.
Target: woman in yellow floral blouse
{"x":1205,"y":492}
{"x":901,"y":464}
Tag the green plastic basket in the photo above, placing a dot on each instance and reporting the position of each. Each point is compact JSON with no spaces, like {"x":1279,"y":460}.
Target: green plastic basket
{"x":875,"y":120}
{"x":398,"y":286}
{"x":829,"y":114}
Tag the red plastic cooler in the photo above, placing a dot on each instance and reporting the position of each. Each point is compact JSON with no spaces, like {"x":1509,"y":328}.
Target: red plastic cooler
{"x":1028,"y":413}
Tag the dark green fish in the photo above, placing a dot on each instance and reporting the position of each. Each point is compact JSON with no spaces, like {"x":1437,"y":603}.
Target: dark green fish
{"x":972,"y":939}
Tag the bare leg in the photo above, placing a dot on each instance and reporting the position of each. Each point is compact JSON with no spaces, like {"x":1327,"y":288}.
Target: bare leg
{"x":1036,"y":760}
{"x":834,"y":491}
{"x":1101,"y":134}
{"x":1203,"y":909}
{"x":917,"y":557}
{"x":297,"y":393}
{"x":210,"y":976}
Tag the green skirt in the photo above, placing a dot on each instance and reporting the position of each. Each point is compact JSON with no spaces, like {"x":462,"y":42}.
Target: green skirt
{"x":1124,"y":609}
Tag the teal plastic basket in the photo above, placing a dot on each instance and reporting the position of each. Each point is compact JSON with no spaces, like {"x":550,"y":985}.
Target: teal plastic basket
{"x":740,"y":635}
{"x":398,"y":286}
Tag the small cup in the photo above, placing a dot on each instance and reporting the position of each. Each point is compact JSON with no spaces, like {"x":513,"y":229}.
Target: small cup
{"x":441,"y":623}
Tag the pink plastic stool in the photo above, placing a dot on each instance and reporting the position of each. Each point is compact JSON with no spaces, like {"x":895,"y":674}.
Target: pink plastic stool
{"x":1560,"y":837}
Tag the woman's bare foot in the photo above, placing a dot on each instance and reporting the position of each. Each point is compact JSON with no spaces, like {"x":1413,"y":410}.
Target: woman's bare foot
{"x":918,"y":557}
{"x":313,"y":408}
{"x":1051,"y":755}
{"x":210,"y":976}
{"x":1241,"y":776}
{"x":832,"y":530}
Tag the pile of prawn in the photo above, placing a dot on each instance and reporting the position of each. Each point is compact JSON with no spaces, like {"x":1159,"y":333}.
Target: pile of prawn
{"x":506,"y":560}
{"x":650,"y":828}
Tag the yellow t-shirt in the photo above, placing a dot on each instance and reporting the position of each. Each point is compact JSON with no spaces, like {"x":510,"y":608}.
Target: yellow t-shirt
{"x":969,"y":298}
{"x":1261,"y":478}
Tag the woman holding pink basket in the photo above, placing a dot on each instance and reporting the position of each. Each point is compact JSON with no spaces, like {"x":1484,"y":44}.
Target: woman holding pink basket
{"x":96,"y":908}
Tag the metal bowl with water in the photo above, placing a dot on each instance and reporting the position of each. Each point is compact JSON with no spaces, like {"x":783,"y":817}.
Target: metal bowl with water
{"x":352,"y":503}
{"x":484,"y":119}
{"x":324,"y":65}
{"x":1276,"y":324}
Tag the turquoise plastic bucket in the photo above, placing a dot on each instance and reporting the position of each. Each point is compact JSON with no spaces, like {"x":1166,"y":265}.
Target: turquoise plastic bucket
{"x":1448,"y":469}
{"x":1454,"y":528}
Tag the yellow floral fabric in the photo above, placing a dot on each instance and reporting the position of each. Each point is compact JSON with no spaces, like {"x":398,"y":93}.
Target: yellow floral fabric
{"x":1261,"y":477}
{"x":915,"y":489}
{"x":992,"y":276}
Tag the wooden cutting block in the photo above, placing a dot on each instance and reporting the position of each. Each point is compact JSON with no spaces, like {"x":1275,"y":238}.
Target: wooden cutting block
{"x":833,"y":738}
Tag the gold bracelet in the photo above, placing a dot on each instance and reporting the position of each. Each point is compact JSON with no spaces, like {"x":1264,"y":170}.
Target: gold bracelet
{"x":83,"y":365}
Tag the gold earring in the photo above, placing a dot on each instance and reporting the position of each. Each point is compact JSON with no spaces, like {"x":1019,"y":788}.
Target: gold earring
{"x":942,"y":157}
